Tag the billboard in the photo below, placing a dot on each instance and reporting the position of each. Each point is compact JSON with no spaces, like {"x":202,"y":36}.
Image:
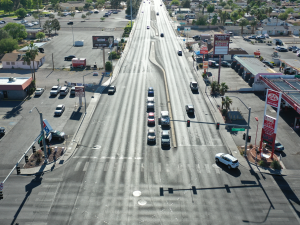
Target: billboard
{"x":103,"y":41}
{"x":79,"y":91}
{"x":203,"y":50}
{"x":221,"y":44}
{"x":269,"y":125}
{"x":273,"y":98}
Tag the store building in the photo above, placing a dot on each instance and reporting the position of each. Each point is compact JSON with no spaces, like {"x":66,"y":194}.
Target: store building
{"x":14,"y":88}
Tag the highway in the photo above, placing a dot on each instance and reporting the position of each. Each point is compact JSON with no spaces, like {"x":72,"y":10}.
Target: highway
{"x":115,"y":177}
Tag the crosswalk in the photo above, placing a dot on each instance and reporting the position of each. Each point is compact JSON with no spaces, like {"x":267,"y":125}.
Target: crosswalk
{"x":117,"y":165}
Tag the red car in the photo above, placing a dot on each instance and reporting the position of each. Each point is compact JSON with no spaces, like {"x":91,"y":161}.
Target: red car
{"x":151,"y":118}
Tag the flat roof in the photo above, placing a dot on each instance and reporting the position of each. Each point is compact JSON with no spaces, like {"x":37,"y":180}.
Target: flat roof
{"x":253,"y":65}
{"x":36,"y":44}
{"x":17,"y":80}
{"x":294,"y":63}
{"x":18,"y":83}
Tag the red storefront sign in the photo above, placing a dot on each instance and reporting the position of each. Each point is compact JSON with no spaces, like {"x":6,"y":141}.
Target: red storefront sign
{"x":203,"y":50}
{"x":273,"y":98}
{"x":269,"y":125}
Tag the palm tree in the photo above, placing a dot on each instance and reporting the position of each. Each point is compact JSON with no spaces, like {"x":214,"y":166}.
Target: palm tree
{"x":204,"y":4}
{"x":243,"y":22}
{"x":248,"y":9}
{"x":27,"y":60}
{"x":223,"y":88}
{"x":270,"y":10}
{"x":227,"y":102}
{"x":214,"y":87}
{"x":253,"y":24}
{"x":33,"y":52}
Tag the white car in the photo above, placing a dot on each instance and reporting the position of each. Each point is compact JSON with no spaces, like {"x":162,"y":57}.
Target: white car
{"x":39,"y":91}
{"x":59,"y":110}
{"x":35,"y":23}
{"x":55,"y":90}
{"x":230,"y":161}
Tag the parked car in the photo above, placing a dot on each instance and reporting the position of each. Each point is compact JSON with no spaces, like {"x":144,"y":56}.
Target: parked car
{"x":268,"y":64}
{"x":96,"y":11}
{"x":179,"y":52}
{"x":295,"y":50}
{"x":151,"y":118}
{"x":157,"y":13}
{"x":165,"y":138}
{"x":189,"y":109}
{"x":64,"y":91}
{"x":2,"y":131}
{"x":252,"y":37}
{"x":162,"y":35}
{"x":106,"y":15}
{"x":39,"y":91}
{"x":72,"y":92}
{"x":151,"y":137}
{"x":228,"y":160}
{"x":225,"y":64}
{"x":111,"y":90}
{"x":260,"y":37}
{"x":57,"y":135}
{"x":281,"y":49}
{"x":267,"y":36}
{"x":213,"y":64}
{"x":278,"y":146}
{"x":70,"y":23}
{"x":2,"y":22}
{"x":59,"y":110}
{"x":55,"y":90}
{"x":70,"y":57}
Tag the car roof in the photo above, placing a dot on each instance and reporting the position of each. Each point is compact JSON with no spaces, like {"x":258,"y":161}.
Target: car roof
{"x":165,"y":132}
{"x":64,"y":87}
{"x":55,"y":87}
{"x":230,"y":157}
{"x":38,"y":89}
{"x":190,"y":106}
{"x":61,"y":105}
{"x":150,"y":88}
{"x":151,"y":114}
{"x":151,"y":131}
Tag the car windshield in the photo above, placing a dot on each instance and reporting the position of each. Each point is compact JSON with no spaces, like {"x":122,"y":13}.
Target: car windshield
{"x":151,"y":117}
{"x":164,"y":117}
{"x":194,"y":84}
{"x":235,"y":161}
{"x":151,"y":134}
{"x":277,"y":144}
{"x":38,"y":90}
{"x":165,"y":136}
{"x":54,"y":89}
{"x":59,"y":107}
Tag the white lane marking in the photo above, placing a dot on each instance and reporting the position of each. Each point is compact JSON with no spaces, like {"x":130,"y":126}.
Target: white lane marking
{"x":104,"y":157}
{"x":198,"y":168}
{"x":207,"y":168}
{"x":86,"y":166}
{"x":77,"y":166}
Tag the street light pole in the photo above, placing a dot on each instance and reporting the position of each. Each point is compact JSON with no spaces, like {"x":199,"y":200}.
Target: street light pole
{"x":42,"y":132}
{"x":256,"y":118}
{"x":73,"y":35}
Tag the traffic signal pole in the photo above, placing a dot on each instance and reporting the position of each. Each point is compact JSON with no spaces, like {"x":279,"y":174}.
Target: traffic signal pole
{"x":246,"y":139}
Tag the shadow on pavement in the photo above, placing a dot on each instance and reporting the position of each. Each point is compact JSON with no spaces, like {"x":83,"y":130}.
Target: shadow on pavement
{"x":28,"y":188}
{"x":232,"y":172}
{"x":76,"y":115}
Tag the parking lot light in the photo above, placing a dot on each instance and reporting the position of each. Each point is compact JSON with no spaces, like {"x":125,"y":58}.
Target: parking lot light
{"x":42,"y":132}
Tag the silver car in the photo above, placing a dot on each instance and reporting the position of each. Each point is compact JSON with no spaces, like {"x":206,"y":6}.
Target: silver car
{"x":151,"y":137}
{"x":59,"y":110}
{"x":55,"y":90}
{"x":64,"y":91}
{"x":150,"y":103}
{"x":39,"y":91}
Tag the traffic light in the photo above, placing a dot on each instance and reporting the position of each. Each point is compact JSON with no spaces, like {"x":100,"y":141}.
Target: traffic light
{"x":41,"y":143}
{"x":188,"y":123}
{"x":18,"y":170}
{"x":244,"y":136}
{"x":33,"y":149}
{"x":249,"y":139}
{"x":1,"y":195}
{"x":26,"y":158}
{"x":218,"y":126}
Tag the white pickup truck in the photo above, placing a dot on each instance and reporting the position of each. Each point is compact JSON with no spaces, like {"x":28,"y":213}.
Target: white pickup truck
{"x":194,"y":86}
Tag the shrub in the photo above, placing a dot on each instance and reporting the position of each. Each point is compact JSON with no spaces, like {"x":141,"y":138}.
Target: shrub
{"x":242,"y":152}
{"x":262,"y":163}
{"x":224,"y":112}
{"x":108,"y":66}
{"x":276,"y":165}
{"x":204,"y":75}
{"x":201,"y":65}
{"x":113,"y":55}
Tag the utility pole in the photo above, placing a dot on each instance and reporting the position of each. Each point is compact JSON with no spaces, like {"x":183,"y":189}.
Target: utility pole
{"x":39,"y":14}
{"x":131,"y":14}
{"x":52,"y":61}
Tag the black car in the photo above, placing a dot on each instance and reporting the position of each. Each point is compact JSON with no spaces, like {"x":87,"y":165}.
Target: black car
{"x":189,"y":109}
{"x":2,"y":131}
{"x":70,"y":23}
{"x":295,"y":50}
{"x":196,"y":37}
{"x":225,"y":64}
{"x":179,"y":53}
{"x":268,"y":64}
{"x":162,"y":34}
{"x":70,"y":57}
{"x":57,"y":135}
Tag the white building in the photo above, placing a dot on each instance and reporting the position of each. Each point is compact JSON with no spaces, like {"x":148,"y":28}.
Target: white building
{"x":15,"y":60}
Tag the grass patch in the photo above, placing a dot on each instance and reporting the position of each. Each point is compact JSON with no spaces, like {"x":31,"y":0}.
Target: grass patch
{"x":129,"y":24}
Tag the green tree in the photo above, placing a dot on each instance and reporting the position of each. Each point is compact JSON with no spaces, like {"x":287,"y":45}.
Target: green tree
{"x":202,"y":20}
{"x":210,"y":8}
{"x":20,"y":13}
{"x":91,"y":8}
{"x":214,"y":87}
{"x":289,"y":10}
{"x":40,"y":35}
{"x":270,"y":10}
{"x":214,"y":20}
{"x":80,"y":8}
{"x":253,"y":24}
{"x":26,"y":59}
{"x":102,"y":19}
{"x":204,"y":4}
{"x":88,"y":14}
{"x":7,"y":6}
{"x":33,"y":52}
{"x":223,"y":16}
{"x":115,"y":4}
{"x":4,"y":34}
{"x":51,"y":16}
{"x":56,"y":7}
{"x":175,"y":2}
{"x":283,"y":16}
{"x":72,"y":14}
{"x":59,"y":13}
{"x":8,"y":45}
{"x":48,"y":27}
{"x":223,"y":88}
{"x":248,"y":9}
{"x":243,"y":22}
{"x":35,"y":16}
{"x":227,"y":102}
{"x":234,"y":16}
{"x":186,"y":4}
{"x":55,"y":25}
{"x":83,"y":16}
{"x":16,"y":30}
{"x":108,"y":66}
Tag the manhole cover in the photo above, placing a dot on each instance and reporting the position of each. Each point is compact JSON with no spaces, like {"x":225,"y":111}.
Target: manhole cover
{"x":142,"y":202}
{"x":137,"y":193}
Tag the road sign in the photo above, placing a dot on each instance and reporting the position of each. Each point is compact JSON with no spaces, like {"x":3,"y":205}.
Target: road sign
{"x":203,"y":50}
{"x":238,"y":129}
{"x":102,"y":41}
{"x":205,"y":65}
{"x":1,"y":186}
